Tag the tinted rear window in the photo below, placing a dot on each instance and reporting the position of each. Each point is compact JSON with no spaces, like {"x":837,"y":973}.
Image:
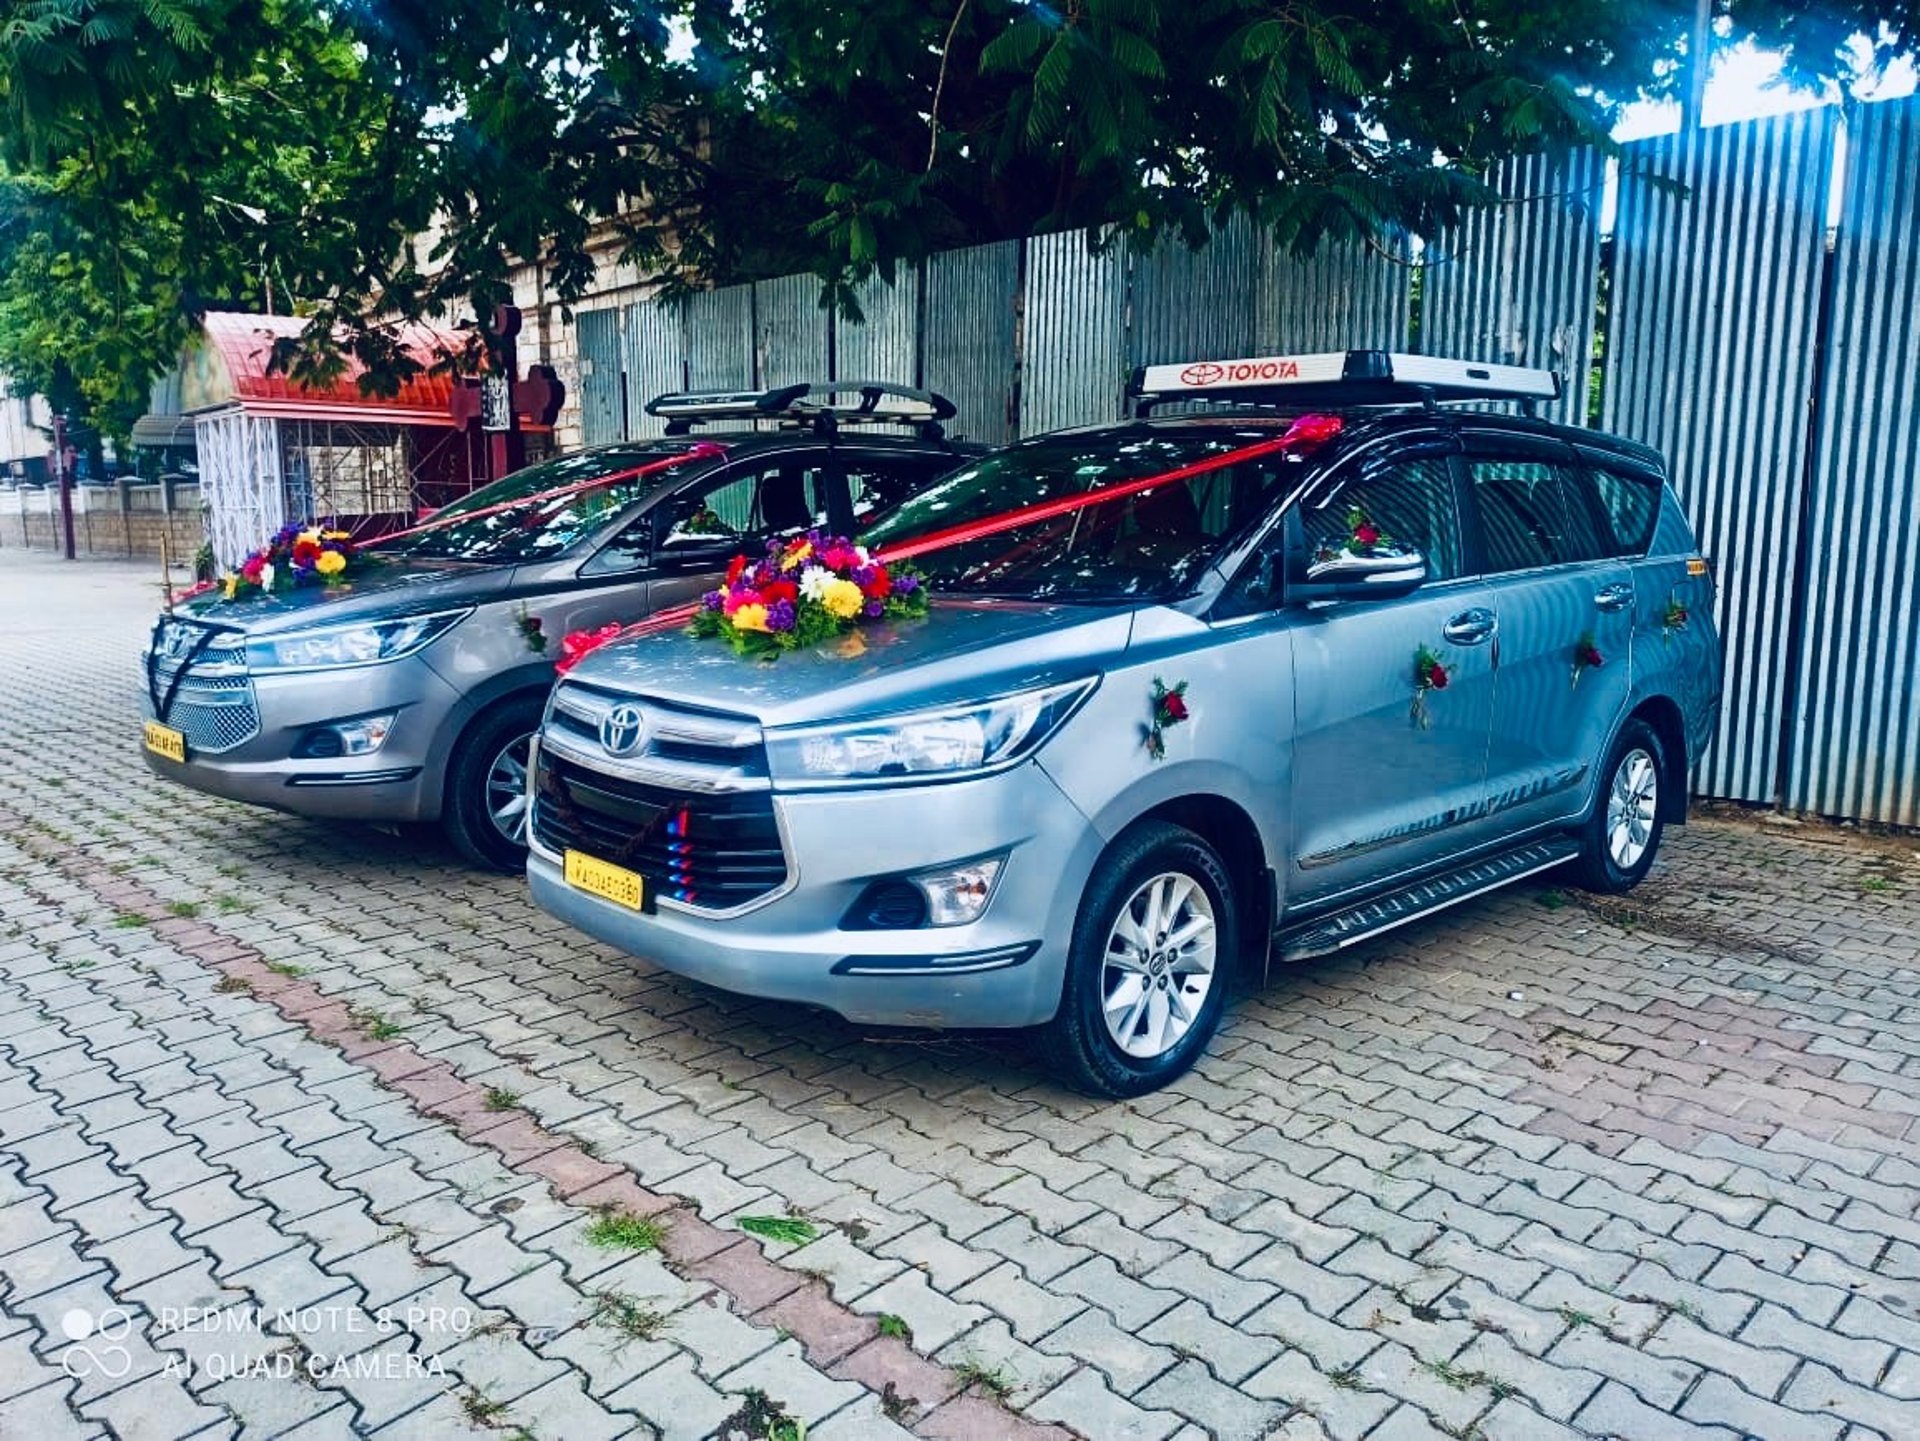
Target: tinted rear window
{"x":1627,"y":504}
{"x":1531,"y":516}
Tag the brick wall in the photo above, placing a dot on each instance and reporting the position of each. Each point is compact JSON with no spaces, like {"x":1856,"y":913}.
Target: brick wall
{"x":114,"y":521}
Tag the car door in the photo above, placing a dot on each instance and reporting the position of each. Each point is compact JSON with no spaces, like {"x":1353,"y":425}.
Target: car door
{"x":1565,"y":612}
{"x":1388,"y":776}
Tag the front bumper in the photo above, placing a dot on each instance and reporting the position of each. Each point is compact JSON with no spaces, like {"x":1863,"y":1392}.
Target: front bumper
{"x":399,"y":782}
{"x":789,"y":946}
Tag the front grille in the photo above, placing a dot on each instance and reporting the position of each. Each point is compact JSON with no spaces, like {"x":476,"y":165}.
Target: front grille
{"x":712,"y":850}
{"x":214,"y":713}
{"x":213,"y":705}
{"x":680,"y":747}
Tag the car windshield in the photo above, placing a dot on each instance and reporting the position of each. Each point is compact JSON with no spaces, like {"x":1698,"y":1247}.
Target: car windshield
{"x":518,"y":519}
{"x":1149,"y":545}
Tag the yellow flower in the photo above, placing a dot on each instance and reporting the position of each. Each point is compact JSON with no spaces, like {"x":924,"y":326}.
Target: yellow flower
{"x":331,"y":562}
{"x":233,"y":586}
{"x":798,"y":554}
{"x":842,"y":598}
{"x":750,"y":617}
{"x":336,"y":535}
{"x":312,"y":535}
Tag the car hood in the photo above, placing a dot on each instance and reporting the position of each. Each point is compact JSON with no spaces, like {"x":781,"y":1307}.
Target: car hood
{"x":964,"y":650}
{"x":382,"y":591}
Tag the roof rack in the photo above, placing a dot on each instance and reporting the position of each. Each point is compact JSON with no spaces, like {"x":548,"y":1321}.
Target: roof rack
{"x":1340,"y":378}
{"x":813,"y":404}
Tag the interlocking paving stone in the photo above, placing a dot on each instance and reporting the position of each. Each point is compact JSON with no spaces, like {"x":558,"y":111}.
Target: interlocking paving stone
{"x":1675,"y":1130}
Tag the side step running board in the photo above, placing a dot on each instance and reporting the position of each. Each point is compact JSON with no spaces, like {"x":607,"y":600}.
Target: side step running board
{"x":1325,"y":934}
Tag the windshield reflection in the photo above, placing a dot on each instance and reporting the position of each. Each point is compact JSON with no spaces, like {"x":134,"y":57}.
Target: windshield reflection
{"x":1147,"y":546}
{"x":532,"y":528}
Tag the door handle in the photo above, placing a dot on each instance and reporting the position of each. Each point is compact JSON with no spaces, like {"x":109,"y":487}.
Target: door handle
{"x":1471,"y":627}
{"x":1617,"y":596}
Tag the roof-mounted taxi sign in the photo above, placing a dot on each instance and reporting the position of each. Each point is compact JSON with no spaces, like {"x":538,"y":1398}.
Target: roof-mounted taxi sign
{"x":1342,"y":377}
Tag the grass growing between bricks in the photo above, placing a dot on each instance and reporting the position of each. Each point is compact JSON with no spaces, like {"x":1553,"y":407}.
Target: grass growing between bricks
{"x":973,"y":1375}
{"x":630,"y":1316}
{"x":622,"y":1232}
{"x":480,"y":1408}
{"x":763,"y":1419}
{"x":499,"y":1098}
{"x":375,"y":1025}
{"x":791,"y":1230}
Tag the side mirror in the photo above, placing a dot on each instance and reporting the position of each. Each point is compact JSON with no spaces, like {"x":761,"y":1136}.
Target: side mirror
{"x":1346,"y":574}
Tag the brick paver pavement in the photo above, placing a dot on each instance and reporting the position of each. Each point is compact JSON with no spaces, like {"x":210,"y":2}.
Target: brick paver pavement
{"x":305,"y":1127}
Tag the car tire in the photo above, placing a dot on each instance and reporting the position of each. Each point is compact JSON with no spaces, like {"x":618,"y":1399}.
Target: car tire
{"x":1135,"y":1011}
{"x":475,"y":810}
{"x":1622,"y":832}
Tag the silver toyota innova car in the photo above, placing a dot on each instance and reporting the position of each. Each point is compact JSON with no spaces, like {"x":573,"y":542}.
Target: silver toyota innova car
{"x":411,"y":691}
{"x":1251,"y":682}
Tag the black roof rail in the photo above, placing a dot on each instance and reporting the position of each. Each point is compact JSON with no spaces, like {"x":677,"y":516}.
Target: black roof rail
{"x":810,"y":403}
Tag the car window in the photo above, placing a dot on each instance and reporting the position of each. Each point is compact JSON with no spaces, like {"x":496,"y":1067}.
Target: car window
{"x":1528,"y":518}
{"x":760,"y":497}
{"x":1410,"y":502}
{"x":879,"y":483}
{"x":1145,"y":545}
{"x":537,"y":513}
{"x":1627,"y":505}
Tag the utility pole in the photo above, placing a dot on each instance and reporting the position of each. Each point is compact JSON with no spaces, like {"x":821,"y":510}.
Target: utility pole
{"x":65,"y":474}
{"x":1693,"y":107}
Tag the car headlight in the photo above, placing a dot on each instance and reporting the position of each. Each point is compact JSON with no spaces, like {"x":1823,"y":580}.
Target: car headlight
{"x":925,"y":745}
{"x":341,"y":645}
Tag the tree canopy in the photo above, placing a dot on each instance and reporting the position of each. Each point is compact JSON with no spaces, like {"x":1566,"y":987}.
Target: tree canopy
{"x":376,"y":160}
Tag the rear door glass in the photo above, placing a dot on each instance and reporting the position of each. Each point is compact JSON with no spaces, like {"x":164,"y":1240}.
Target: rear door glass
{"x":1530,"y":517}
{"x":1627,"y":504}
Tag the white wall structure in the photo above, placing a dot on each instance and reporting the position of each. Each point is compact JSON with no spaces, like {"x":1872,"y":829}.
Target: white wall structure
{"x":240,"y":479}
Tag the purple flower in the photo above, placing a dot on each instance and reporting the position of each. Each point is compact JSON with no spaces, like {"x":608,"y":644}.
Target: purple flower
{"x":712,"y":600}
{"x":905,"y":584}
{"x":780,"y":615}
{"x":862,"y":576}
{"x":875,"y":609}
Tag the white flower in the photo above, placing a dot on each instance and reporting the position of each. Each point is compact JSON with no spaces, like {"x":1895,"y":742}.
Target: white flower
{"x":266,"y":577}
{"x":814,"y":581}
{"x":861,"y":551}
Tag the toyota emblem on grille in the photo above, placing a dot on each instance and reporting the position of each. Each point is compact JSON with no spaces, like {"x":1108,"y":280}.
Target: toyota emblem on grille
{"x":623,"y":729}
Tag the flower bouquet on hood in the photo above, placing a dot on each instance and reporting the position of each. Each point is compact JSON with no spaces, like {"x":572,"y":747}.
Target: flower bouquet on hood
{"x":297,"y":555}
{"x":804,"y":591}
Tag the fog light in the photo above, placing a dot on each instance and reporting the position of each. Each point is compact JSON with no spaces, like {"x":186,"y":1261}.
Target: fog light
{"x":957,"y":895}
{"x":361,"y":736}
{"x":887,"y":906}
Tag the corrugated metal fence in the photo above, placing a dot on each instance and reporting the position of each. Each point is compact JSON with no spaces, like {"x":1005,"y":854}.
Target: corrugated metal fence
{"x":1855,"y":732}
{"x":1712,"y":364}
{"x":1779,"y":374}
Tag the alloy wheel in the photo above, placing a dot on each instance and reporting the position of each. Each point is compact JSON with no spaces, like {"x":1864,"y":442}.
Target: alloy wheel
{"x":1159,"y":965}
{"x":507,"y":789}
{"x":1631,"y":802}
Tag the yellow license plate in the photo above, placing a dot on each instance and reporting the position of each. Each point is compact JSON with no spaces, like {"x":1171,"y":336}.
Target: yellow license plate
{"x":604,"y":879}
{"x":165,"y":741}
